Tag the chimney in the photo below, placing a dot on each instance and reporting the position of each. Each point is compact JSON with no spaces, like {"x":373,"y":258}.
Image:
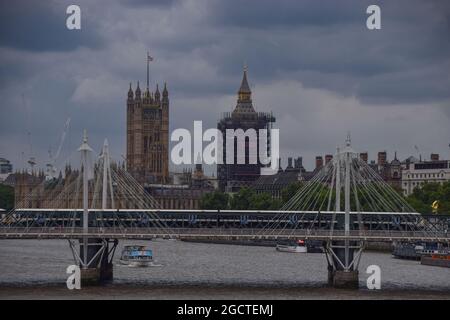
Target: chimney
{"x":382,"y":158}
{"x":328,"y":158}
{"x":434,"y":157}
{"x":364,"y":156}
{"x":289,"y":166}
{"x":319,"y":162}
{"x":298,"y":163}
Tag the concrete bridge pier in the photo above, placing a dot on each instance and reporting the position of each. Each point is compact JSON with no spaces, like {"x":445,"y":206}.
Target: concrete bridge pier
{"x":342,"y":279}
{"x":343,"y":259}
{"x":97,"y":266}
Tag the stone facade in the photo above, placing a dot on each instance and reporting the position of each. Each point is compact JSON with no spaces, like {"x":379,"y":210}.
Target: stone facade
{"x":187,"y":195}
{"x":274,"y":184}
{"x":416,"y":174}
{"x":148,"y":135}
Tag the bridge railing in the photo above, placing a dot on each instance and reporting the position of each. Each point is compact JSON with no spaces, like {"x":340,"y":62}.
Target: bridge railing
{"x":59,"y":232}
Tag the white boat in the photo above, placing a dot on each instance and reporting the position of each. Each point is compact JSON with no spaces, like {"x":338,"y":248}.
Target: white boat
{"x":136,"y":256}
{"x":296,"y":247}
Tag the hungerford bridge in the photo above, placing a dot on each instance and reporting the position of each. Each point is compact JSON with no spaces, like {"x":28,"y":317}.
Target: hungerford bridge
{"x":345,"y":205}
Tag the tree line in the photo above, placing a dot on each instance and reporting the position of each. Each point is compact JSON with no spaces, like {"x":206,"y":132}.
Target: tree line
{"x":247,"y":199}
{"x":422,"y":198}
{"x":6,"y":197}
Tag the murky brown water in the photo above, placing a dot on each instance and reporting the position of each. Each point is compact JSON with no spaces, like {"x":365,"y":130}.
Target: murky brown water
{"x":36,"y":269}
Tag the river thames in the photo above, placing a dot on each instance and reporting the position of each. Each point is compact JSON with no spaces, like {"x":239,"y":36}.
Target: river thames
{"x":35,"y":269}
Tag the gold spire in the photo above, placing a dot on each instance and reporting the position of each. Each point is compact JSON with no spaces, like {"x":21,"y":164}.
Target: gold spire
{"x":245,"y":94}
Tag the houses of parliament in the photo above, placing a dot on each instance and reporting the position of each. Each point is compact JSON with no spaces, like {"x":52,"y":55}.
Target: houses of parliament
{"x":147,"y":160}
{"x":148,"y":134}
{"x":147,"y":154}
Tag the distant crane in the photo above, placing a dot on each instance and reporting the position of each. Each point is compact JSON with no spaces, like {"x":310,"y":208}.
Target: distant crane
{"x":51,"y":166}
{"x":32,"y":160}
{"x":418,"y":152}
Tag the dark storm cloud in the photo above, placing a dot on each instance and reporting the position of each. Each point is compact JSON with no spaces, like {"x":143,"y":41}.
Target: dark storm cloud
{"x":267,"y":14}
{"x":11,"y":73}
{"x":313,"y":63}
{"x":319,"y":44}
{"x":148,"y":3}
{"x":414,"y":85}
{"x":328,"y":38}
{"x":33,"y":26}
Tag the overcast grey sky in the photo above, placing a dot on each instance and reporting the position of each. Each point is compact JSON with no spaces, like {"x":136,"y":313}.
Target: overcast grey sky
{"x":313,"y":63}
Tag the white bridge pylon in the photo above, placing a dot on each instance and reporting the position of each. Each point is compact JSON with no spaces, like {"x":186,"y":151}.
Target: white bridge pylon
{"x":107,"y":181}
{"x":348,"y":185}
{"x":92,"y":252}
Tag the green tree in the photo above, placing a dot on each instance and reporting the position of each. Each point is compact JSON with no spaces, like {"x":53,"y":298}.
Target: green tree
{"x":245,"y":199}
{"x":242,"y":199}
{"x":288,"y":192}
{"x":215,"y":201}
{"x":444,"y":199}
{"x":422,"y":198}
{"x":261,"y":201}
{"x":6,"y":197}
{"x":276,"y":204}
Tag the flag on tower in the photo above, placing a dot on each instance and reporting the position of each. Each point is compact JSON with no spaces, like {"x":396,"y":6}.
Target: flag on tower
{"x":149,"y":58}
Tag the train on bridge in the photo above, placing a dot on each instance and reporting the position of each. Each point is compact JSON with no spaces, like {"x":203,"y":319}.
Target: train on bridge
{"x":250,"y":219}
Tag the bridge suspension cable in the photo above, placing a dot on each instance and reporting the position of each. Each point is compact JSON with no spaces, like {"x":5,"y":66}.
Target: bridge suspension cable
{"x":345,"y":181}
{"x":110,"y":187}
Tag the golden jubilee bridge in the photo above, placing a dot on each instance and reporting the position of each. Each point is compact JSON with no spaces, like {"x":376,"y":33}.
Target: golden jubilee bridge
{"x":345,"y":205}
{"x":252,"y":225}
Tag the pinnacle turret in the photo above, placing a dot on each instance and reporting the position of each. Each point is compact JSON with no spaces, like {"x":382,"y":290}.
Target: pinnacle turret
{"x":165,"y":92}
{"x":157,"y":94}
{"x":138,"y":91}
{"x":130,"y":93}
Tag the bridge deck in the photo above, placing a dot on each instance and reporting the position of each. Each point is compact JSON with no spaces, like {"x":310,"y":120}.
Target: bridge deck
{"x":221,"y":234}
